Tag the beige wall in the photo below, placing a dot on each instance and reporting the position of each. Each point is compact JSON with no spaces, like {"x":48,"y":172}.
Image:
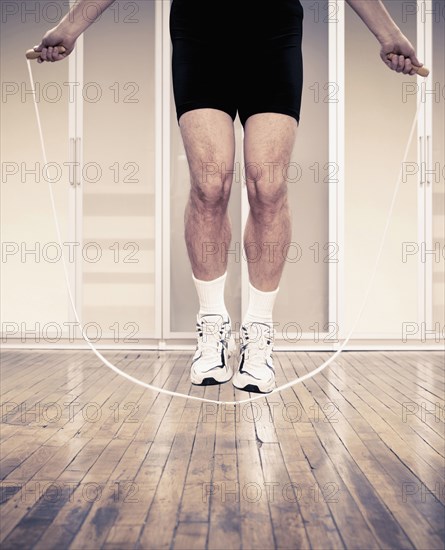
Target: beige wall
{"x":33,"y":288}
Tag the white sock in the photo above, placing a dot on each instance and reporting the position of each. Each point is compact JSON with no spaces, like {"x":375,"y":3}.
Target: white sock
{"x":260,"y":305}
{"x":211,"y":296}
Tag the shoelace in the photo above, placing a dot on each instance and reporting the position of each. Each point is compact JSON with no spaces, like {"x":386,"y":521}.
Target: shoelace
{"x":210,"y":338}
{"x":259,"y":348}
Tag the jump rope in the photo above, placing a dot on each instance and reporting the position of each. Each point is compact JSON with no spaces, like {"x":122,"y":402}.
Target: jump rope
{"x":422,"y":71}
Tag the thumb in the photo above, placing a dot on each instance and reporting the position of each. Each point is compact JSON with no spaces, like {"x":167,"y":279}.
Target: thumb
{"x":415,"y":61}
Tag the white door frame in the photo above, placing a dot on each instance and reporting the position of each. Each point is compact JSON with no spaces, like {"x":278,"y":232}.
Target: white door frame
{"x":75,"y":129}
{"x":425,"y":26}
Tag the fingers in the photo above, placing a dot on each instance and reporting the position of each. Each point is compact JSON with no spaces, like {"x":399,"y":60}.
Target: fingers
{"x":415,"y":61}
{"x":38,"y":49}
{"x":55,"y":54}
{"x":397,"y":63}
{"x":408,"y":66}
{"x":402,"y":64}
{"x":43,"y":53}
{"x":50,"y":54}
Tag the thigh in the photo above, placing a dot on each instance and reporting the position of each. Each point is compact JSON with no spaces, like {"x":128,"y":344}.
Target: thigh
{"x":209,"y":143}
{"x":269,"y":139}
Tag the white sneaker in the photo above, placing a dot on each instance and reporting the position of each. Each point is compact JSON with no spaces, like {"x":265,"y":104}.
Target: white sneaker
{"x":256,"y":372}
{"x":210,"y":364}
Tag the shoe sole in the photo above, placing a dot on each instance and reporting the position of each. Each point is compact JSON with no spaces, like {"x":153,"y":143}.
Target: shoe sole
{"x":210,"y":378}
{"x":210,"y":382}
{"x":252,"y":389}
{"x":248,"y":386}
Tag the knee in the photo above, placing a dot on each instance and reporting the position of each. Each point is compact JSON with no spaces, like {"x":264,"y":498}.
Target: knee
{"x":210,"y":192}
{"x":267,"y":194}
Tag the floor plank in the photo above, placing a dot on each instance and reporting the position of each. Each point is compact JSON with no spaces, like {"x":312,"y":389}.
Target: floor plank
{"x":352,"y":458}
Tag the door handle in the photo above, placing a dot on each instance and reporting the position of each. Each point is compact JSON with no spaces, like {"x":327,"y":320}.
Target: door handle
{"x":428,"y":180}
{"x":422,"y":163}
{"x":78,"y":161}
{"x":72,"y":173}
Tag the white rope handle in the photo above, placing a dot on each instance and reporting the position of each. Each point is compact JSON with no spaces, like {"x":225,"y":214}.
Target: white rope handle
{"x":203,"y":399}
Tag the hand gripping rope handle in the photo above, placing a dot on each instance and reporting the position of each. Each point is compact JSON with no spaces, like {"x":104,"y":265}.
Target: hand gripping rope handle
{"x":203,"y":399}
{"x":32,"y":54}
{"x":421,"y":71}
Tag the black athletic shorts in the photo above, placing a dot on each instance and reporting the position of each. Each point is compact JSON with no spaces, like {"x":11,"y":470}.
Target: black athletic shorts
{"x":237,"y":55}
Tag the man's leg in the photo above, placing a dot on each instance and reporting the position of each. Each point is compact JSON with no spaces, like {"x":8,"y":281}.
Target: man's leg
{"x":268,"y":143}
{"x":209,"y":143}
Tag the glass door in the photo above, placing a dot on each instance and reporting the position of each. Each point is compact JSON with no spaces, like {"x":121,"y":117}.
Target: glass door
{"x":120,"y":271}
{"x":380,"y":108}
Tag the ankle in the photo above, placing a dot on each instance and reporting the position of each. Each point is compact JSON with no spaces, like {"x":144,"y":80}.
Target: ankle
{"x":211,"y":296}
{"x":260,"y":306}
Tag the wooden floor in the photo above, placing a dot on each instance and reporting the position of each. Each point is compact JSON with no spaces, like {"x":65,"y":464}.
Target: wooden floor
{"x":353,"y":458}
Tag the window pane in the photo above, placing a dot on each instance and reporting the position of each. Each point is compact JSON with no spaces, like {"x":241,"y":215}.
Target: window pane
{"x":378,"y":121}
